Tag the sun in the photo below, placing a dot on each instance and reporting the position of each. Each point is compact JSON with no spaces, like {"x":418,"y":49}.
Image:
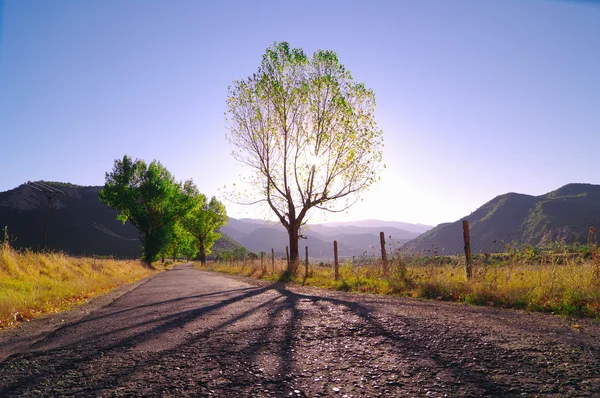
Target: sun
{"x":315,"y":160}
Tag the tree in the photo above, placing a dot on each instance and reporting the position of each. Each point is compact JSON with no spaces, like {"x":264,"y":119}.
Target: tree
{"x":224,"y":255}
{"x":149,"y":198}
{"x":307,"y":132}
{"x":180,"y":242}
{"x":203,"y":221}
{"x":239,"y":253}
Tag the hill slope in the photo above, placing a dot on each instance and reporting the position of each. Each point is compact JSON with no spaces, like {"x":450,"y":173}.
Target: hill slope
{"x":259,"y":235}
{"x":565,"y":214}
{"x":79,"y":223}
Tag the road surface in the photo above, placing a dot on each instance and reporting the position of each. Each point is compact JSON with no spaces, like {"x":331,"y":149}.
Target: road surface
{"x":193,"y":333}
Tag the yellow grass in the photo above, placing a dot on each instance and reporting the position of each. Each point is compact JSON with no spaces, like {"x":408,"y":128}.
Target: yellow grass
{"x":570,"y":287}
{"x":32,"y":284}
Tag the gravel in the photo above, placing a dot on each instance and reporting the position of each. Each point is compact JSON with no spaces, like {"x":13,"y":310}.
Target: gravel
{"x":195,"y":333}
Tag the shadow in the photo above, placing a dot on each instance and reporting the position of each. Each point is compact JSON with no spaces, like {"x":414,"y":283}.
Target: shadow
{"x":166,"y":323}
{"x":402,"y":341}
{"x":260,"y":322}
{"x":91,"y":319}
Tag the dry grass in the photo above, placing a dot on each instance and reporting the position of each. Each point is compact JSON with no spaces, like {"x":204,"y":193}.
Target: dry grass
{"x":569,"y":286}
{"x":32,"y":284}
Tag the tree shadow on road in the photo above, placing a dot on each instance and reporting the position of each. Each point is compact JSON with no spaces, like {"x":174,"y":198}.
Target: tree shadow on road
{"x":259,"y":322}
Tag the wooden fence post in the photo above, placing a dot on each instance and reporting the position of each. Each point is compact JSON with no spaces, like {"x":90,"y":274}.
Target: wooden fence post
{"x":383,"y":253}
{"x":467,"y":238}
{"x":262,"y":261}
{"x":287,"y":256}
{"x":306,"y":264}
{"x":335,"y":260}
{"x":273,"y":259}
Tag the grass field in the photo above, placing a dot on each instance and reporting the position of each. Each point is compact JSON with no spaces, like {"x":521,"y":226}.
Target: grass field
{"x":567,"y":285}
{"x":33,"y":284}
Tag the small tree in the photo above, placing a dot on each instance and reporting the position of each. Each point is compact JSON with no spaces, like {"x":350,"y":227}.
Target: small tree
{"x":240,"y":253}
{"x":181,"y":242}
{"x":149,"y":198}
{"x":224,"y":255}
{"x":203,"y":222}
{"x":307,"y":132}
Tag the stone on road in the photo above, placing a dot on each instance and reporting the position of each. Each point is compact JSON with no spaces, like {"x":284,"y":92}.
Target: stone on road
{"x":193,"y":333}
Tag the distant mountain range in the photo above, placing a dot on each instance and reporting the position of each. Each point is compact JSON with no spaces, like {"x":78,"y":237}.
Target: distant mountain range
{"x":562,"y":215}
{"x":354,"y":238}
{"x":80,"y":224}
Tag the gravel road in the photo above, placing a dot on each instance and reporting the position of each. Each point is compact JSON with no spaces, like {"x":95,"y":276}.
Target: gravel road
{"x":193,"y":333}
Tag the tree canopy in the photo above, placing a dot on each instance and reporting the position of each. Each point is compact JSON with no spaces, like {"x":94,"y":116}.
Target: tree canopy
{"x":203,"y":222}
{"x":173,"y":217}
{"x":181,"y":242}
{"x":147,"y":196}
{"x":307,"y":131}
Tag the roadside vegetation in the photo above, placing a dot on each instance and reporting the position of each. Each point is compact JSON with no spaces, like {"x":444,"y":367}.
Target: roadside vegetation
{"x":173,"y":217}
{"x":564,"y":281}
{"x":34,"y":284}
{"x":174,"y":220}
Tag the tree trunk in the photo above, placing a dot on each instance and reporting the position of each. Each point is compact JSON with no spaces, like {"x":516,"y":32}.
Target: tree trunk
{"x":294,"y":251}
{"x":202,"y":254}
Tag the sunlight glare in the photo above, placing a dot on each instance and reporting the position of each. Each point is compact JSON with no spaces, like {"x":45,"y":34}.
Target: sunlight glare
{"x":314,"y":160}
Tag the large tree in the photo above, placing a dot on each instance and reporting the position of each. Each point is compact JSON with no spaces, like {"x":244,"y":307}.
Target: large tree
{"x":307,"y":131}
{"x":203,"y":222}
{"x":147,"y":196}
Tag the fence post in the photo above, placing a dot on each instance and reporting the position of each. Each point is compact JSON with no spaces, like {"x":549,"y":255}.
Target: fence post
{"x":287,"y":256}
{"x":335,"y":260}
{"x":467,"y":238}
{"x":273,"y":259}
{"x":262,"y":261}
{"x":383,"y":253}
{"x":306,"y":264}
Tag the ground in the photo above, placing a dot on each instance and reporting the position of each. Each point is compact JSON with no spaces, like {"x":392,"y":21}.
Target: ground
{"x":194,"y":333}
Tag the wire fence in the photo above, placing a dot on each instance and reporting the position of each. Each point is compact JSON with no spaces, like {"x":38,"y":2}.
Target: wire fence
{"x":543,"y":237}
{"x":456,"y":247}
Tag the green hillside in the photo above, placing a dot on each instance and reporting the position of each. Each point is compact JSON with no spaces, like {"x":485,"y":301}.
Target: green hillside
{"x":562,"y":215}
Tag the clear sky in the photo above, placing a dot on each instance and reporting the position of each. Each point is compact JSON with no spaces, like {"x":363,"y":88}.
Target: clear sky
{"x":475,"y":98}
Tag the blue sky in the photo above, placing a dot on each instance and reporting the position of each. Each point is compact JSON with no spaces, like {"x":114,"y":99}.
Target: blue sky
{"x":475,"y":98}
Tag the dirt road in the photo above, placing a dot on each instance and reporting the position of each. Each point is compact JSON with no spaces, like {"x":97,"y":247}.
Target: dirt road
{"x":192,"y":333}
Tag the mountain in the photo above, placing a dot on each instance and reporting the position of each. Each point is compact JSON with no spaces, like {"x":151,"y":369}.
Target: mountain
{"x":378,"y":224}
{"x":565,"y":214}
{"x":353,"y":240}
{"x":78,"y":224}
{"x":332,"y":231}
